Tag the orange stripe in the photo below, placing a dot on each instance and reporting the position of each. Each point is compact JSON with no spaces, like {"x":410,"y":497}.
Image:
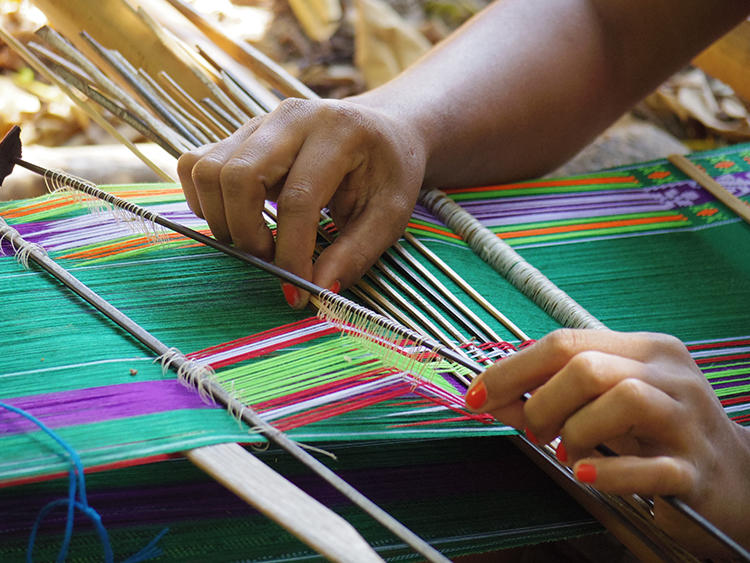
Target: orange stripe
{"x":38,"y":207}
{"x":545,"y":184}
{"x":434,"y":230}
{"x":592,"y":226}
{"x":107,"y":248}
{"x":146,"y":193}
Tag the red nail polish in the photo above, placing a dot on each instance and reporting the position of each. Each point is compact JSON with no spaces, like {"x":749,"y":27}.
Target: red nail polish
{"x":291,"y":294}
{"x":530,"y":435}
{"x":476,"y":396}
{"x":561,"y":453}
{"x":586,"y":473}
{"x":335,"y":287}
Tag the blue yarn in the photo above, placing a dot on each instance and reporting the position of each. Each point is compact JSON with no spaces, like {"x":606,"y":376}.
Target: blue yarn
{"x":77,"y":487}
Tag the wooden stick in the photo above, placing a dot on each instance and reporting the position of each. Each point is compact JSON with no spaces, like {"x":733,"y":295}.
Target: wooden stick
{"x":57,"y":42}
{"x":33,"y":61}
{"x":247,"y":55}
{"x":200,"y":128}
{"x":212,"y":123}
{"x":128,"y":73}
{"x":193,"y":61}
{"x":459,"y":281}
{"x":281,"y":501}
{"x":115,"y":109}
{"x":252,"y":102}
{"x":741,"y":208}
{"x":219,"y":114}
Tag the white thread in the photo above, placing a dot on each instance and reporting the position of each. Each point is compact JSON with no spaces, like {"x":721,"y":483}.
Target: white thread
{"x":378,"y":335}
{"x":23,"y":248}
{"x":97,"y":201}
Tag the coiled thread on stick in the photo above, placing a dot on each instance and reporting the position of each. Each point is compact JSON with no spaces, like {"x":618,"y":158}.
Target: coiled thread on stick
{"x":511,"y":265}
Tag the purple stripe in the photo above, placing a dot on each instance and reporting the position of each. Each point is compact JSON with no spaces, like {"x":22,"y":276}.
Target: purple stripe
{"x":555,"y":206}
{"x":98,"y":404}
{"x":728,"y":385}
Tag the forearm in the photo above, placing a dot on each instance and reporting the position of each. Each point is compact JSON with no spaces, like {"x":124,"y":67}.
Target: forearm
{"x":527,"y":83}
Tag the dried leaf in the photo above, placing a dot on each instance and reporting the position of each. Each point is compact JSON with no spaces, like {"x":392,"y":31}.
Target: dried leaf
{"x":385,"y":44}
{"x":318,"y":18}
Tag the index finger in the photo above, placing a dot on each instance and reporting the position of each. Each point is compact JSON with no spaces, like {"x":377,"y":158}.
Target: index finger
{"x":313,"y":178}
{"x":509,"y":379}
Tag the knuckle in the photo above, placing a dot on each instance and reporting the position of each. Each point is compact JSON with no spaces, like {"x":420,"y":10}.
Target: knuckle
{"x":570,"y":437}
{"x":671,"y":473}
{"x":563,"y":341}
{"x":295,"y":198}
{"x":533,"y":420}
{"x":293,"y":106}
{"x":632,"y":392}
{"x":588,"y":371}
{"x":185,"y":164}
{"x":669,"y":343}
{"x":206,"y":172}
{"x":234,"y":177}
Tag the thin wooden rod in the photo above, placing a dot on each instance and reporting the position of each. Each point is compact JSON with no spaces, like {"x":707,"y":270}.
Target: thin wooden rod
{"x":195,"y":63}
{"x":740,"y":207}
{"x":210,"y":121}
{"x":128,"y":73}
{"x":234,"y":86}
{"x":56,"y":41}
{"x":398,"y":255}
{"x":460,"y":282}
{"x":34,"y":62}
{"x":246,"y":54}
{"x":321,"y":293}
{"x":389,"y":301}
{"x":220,"y":114}
{"x":201,"y":128}
{"x":386,"y":300}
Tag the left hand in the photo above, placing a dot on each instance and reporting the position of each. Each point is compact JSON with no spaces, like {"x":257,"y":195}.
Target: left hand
{"x":642,"y":395}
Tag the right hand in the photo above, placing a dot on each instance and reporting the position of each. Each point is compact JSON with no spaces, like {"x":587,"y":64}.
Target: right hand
{"x":365,"y":166}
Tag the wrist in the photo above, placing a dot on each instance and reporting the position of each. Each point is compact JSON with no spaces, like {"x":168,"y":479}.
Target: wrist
{"x":409,"y":117}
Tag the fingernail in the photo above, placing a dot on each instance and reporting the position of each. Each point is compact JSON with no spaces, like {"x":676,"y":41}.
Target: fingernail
{"x":586,"y":473}
{"x":530,"y":435}
{"x":291,"y":294}
{"x":335,"y":287}
{"x":561,"y":453}
{"x":476,"y":396}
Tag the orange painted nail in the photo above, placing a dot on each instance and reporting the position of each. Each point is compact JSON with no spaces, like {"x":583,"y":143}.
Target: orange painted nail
{"x":335,"y":286}
{"x":561,"y":453}
{"x":476,"y":396}
{"x":291,"y":294}
{"x":586,"y":473}
{"x":530,"y":435}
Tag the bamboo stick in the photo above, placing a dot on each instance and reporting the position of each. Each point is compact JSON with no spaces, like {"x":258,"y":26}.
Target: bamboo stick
{"x":33,"y":61}
{"x":740,"y":207}
{"x":57,"y":42}
{"x":246,"y":54}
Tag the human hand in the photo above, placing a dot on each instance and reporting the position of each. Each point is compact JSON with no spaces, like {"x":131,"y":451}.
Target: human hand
{"x":308,"y":154}
{"x":642,"y":395}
